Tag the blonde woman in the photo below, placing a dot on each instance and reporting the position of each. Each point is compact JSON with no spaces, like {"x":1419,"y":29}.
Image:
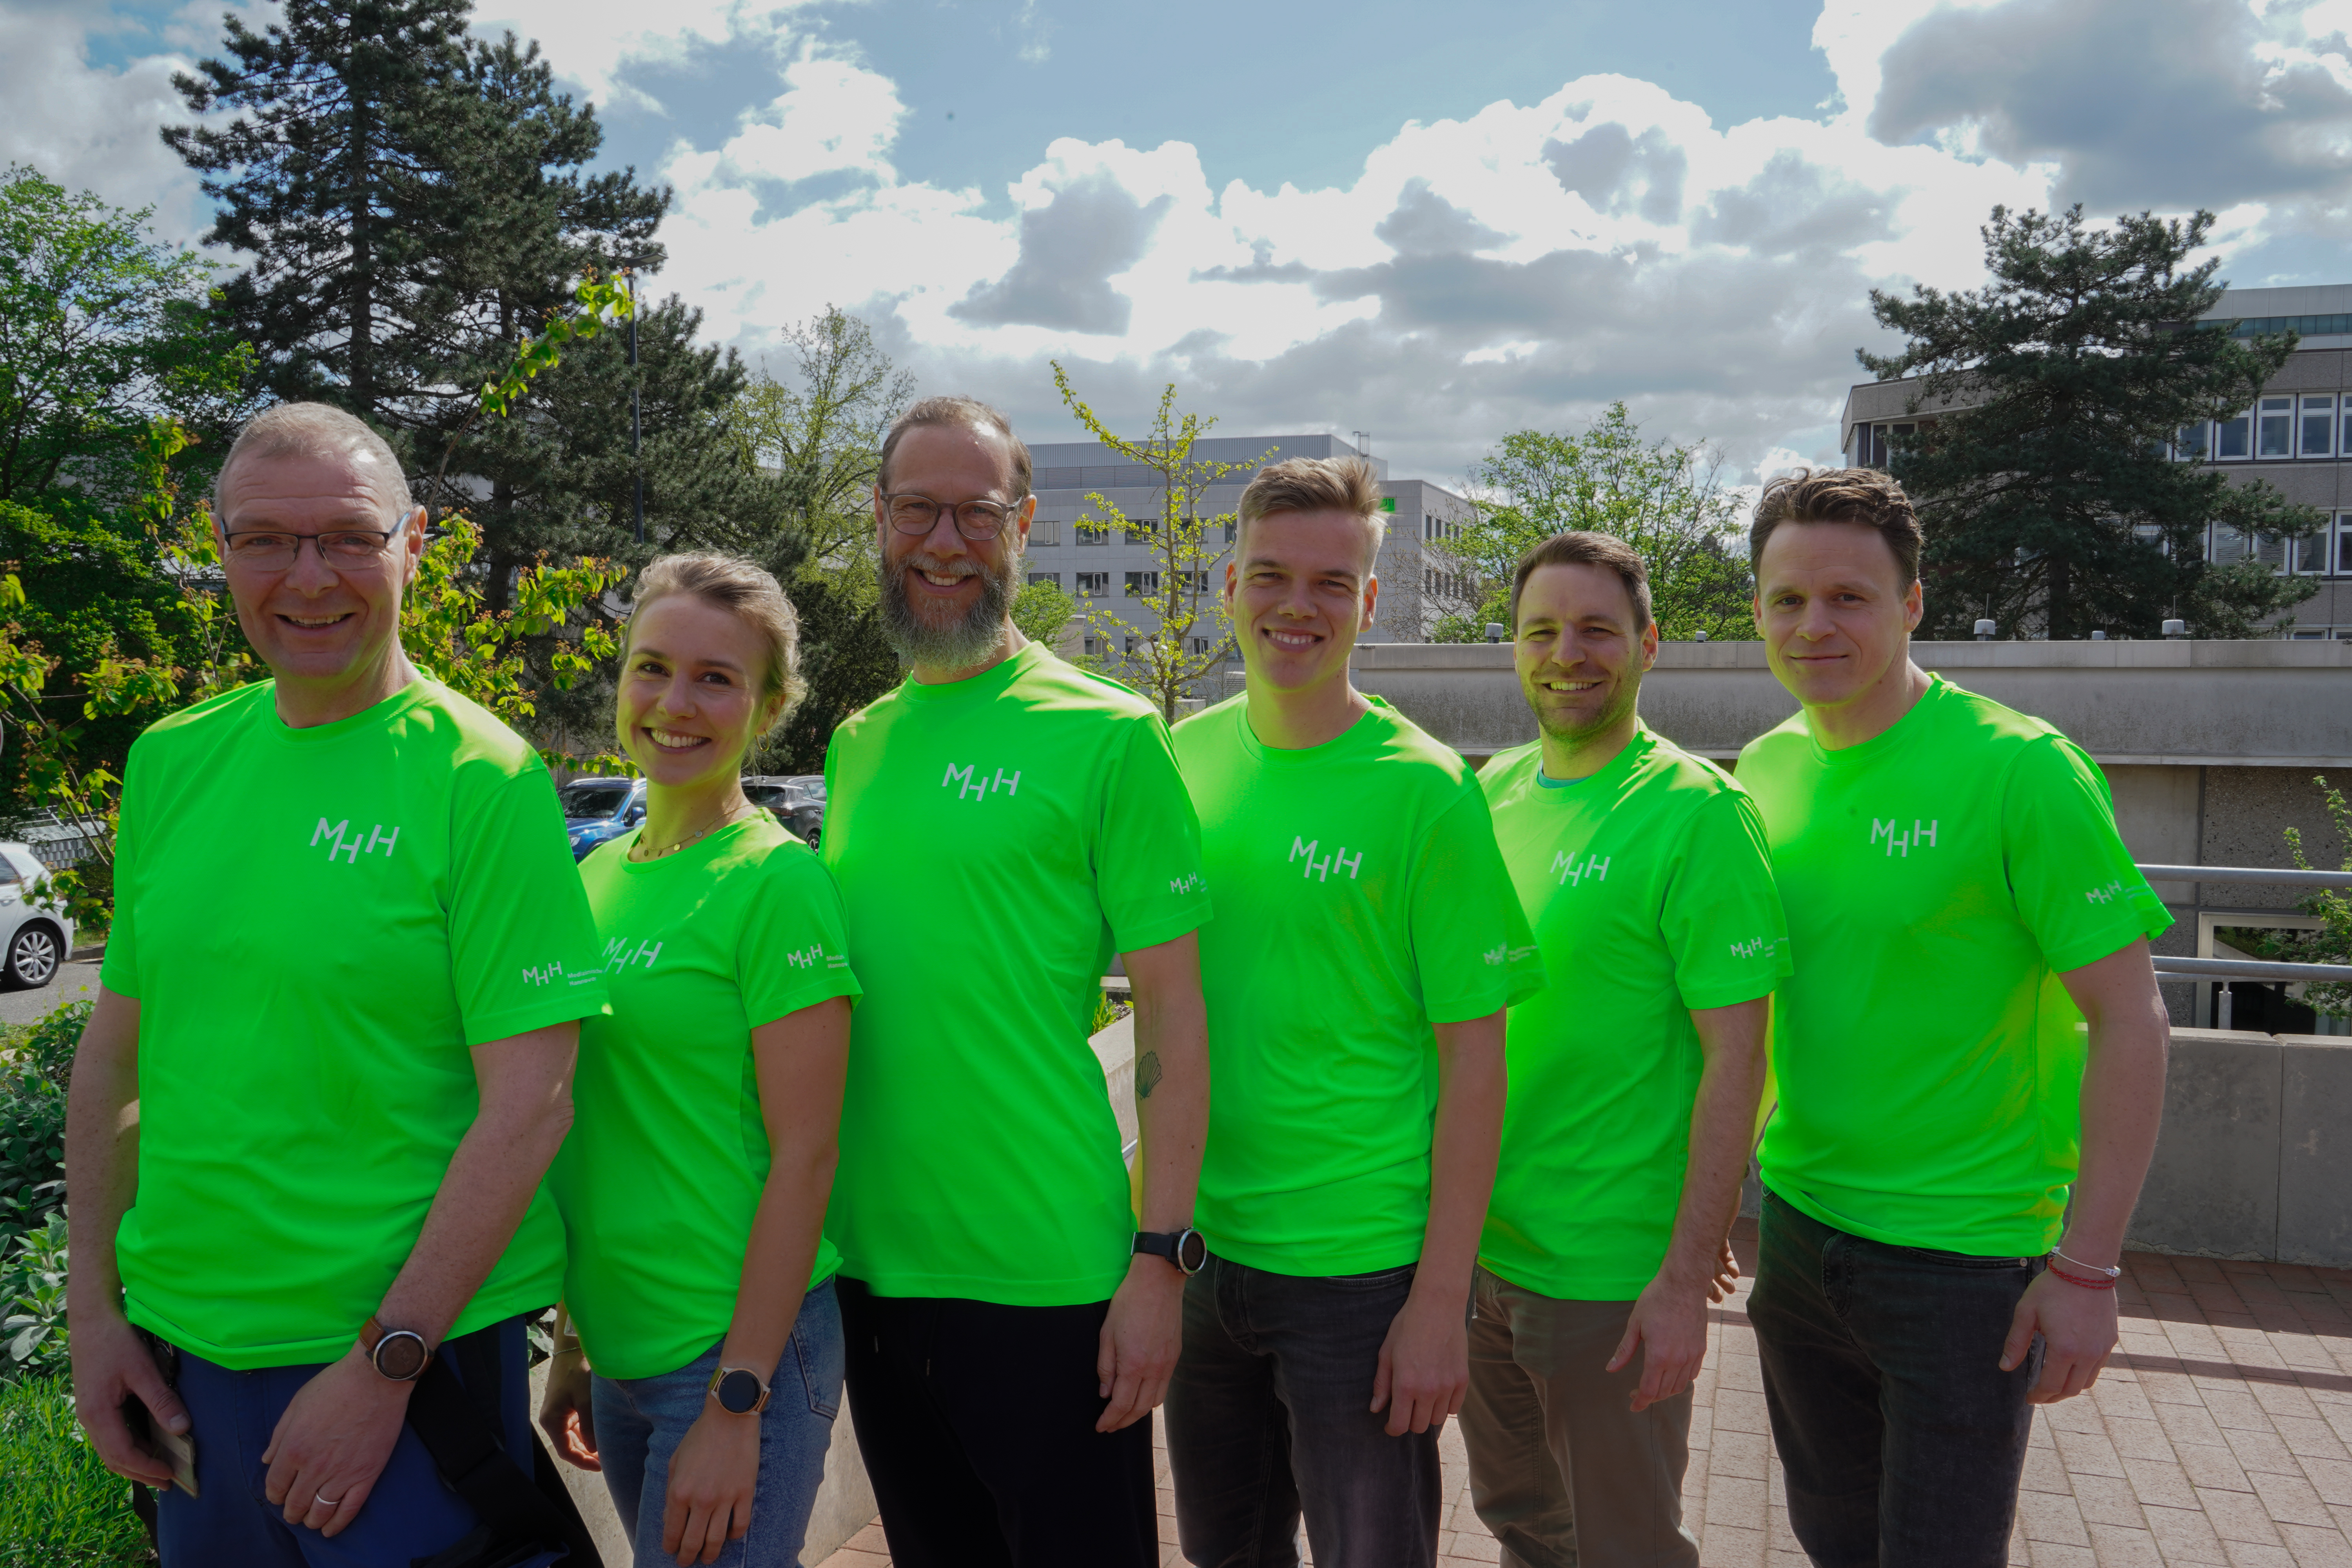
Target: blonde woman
{"x":707,"y":1366}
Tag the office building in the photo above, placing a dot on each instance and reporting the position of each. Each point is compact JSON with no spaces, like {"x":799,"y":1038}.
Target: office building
{"x":2296,"y":436}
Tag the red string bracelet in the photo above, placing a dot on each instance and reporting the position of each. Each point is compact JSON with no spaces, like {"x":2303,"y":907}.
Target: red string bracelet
{"x":2087,"y":1282}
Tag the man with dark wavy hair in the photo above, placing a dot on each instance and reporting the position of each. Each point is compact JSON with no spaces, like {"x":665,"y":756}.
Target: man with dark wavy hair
{"x":1953,"y":1161}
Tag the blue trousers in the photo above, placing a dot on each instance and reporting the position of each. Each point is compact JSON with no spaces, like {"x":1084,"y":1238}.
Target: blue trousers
{"x":640,"y":1421}
{"x":1901,"y":1439}
{"x":411,"y":1513}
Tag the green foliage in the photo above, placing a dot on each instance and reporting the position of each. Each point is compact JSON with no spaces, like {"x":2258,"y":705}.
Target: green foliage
{"x":2049,"y":500}
{"x":1186,"y":601}
{"x":59,"y":1507}
{"x":33,"y":1340}
{"x":34,"y":1071}
{"x":822,"y":439}
{"x":103,"y":330}
{"x":1667,"y":500}
{"x":1042,"y":610}
{"x":2332,"y":943}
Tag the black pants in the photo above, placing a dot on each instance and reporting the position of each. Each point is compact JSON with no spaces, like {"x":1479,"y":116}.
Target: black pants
{"x":1270,"y":1418}
{"x":977,"y":1424}
{"x":1900,"y":1438}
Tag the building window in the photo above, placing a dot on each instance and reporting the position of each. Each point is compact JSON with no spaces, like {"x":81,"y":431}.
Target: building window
{"x":1133,"y":644}
{"x":1199,"y":646}
{"x":2274,"y":427}
{"x":1045,"y":531}
{"x":1139,"y":584}
{"x":1192,"y":582}
{"x":1089,"y":531}
{"x":2232,"y":437}
{"x":1233,"y":529}
{"x":2344,"y":544}
{"x":2317,"y":438}
{"x":1093,"y":584}
{"x":1096,"y":645}
{"x":1141,"y":531}
{"x":2194,"y":443}
{"x":1052,"y":579}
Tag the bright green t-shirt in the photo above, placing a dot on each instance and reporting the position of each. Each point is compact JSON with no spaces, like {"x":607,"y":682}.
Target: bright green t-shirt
{"x":1938,"y":879}
{"x":996,"y":840}
{"x":668,"y":1154}
{"x":1650,"y":888}
{"x":317,"y":925}
{"x":1360,"y":900}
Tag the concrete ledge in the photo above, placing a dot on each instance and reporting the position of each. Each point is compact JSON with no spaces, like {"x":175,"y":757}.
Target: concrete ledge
{"x":2212,"y":1190}
{"x":2314,"y":1177}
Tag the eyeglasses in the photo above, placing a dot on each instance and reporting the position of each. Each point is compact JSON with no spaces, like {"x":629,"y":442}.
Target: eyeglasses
{"x":920,"y":514}
{"x":279,"y":552}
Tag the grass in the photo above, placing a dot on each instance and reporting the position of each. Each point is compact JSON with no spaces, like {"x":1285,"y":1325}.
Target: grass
{"x":59,"y":1507}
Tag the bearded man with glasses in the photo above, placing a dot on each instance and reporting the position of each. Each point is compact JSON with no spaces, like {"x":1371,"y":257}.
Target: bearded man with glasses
{"x":330,"y":1061}
{"x":999,"y":826}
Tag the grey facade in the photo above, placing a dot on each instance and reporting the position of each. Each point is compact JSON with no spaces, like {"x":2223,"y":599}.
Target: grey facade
{"x":1105,"y":566}
{"x":2297,"y":437}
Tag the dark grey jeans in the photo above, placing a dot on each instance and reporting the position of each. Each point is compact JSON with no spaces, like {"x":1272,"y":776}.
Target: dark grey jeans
{"x":1269,"y":1418}
{"x":1901,"y":1438}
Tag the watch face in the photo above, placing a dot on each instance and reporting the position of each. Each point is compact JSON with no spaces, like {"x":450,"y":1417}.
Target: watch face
{"x":738,"y":1392}
{"x":1191,"y":1251}
{"x":400,"y":1355}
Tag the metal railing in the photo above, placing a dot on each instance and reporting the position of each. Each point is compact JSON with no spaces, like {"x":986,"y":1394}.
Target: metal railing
{"x":2220,"y":971}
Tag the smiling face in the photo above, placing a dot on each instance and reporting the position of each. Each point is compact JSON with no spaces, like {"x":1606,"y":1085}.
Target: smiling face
{"x":1580,"y":657}
{"x":945,"y":598}
{"x":1835,"y":618}
{"x":691,"y":696}
{"x":1299,"y":596}
{"x":319,"y":626}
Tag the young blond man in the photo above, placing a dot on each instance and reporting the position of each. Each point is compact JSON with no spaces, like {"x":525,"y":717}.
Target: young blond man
{"x":1367,"y":944}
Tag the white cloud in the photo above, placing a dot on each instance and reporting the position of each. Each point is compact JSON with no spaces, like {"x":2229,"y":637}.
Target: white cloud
{"x":590,"y":40}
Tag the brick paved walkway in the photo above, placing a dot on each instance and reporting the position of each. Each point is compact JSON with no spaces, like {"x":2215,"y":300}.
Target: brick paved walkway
{"x":2220,"y":1434}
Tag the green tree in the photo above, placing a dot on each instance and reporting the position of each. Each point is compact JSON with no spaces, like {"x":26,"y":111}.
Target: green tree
{"x":2049,"y":497}
{"x":1189,"y":635}
{"x":103,"y":329}
{"x":822,"y":439}
{"x":1667,"y":501}
{"x":2332,"y":943}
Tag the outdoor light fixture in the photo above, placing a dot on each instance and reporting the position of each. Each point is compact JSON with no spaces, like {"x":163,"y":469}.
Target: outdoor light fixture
{"x":1493,"y":631}
{"x":1700,"y":636}
{"x":2176,"y":628}
{"x":2099,"y":636}
{"x":1984,"y":631}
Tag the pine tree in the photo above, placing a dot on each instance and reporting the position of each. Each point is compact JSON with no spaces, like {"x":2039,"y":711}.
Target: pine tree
{"x":2050,"y":499}
{"x":324,"y":182}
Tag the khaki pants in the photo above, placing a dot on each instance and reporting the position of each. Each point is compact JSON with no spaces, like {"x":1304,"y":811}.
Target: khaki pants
{"x":1560,"y":1470}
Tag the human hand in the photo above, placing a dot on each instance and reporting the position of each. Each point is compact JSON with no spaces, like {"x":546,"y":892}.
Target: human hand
{"x":1140,"y":1341}
{"x":1425,"y":1367}
{"x":1669,"y":1324}
{"x":1726,"y":1283}
{"x":332,"y":1442}
{"x":712,"y":1477}
{"x":111,"y":1365}
{"x":2078,"y":1330}
{"x":567,"y":1413}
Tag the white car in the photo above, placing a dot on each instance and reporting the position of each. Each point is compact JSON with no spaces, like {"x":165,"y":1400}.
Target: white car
{"x":33,"y":939}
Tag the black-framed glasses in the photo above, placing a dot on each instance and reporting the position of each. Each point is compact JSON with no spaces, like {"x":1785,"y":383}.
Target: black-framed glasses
{"x":911,"y":513}
{"x":268,"y":551}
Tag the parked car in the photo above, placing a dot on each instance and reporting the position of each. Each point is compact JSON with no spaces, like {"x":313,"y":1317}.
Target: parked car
{"x":798,"y":803}
{"x":598,"y":808}
{"x":33,"y":939}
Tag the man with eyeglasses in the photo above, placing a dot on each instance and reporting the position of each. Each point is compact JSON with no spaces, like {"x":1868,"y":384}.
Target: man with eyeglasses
{"x":330,"y":1058}
{"x":1000,"y":826}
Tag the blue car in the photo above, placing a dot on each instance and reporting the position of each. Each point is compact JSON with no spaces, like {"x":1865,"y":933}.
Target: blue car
{"x":596,"y":809}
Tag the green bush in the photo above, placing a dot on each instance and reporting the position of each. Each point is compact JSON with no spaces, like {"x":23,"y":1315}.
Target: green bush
{"x":60,"y":1507}
{"x":33,"y":1305}
{"x":33,"y":1077}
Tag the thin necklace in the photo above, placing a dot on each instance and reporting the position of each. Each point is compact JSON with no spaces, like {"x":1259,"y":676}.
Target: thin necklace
{"x":724,"y":818}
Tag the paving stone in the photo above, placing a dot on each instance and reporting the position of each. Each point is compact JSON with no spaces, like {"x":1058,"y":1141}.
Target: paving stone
{"x":2314,"y":1548}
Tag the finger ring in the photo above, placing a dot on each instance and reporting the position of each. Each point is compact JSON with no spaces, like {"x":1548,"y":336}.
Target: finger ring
{"x":325,"y":1501}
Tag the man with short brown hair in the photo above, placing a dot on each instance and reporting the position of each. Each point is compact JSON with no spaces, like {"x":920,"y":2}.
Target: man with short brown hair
{"x":1633,"y":1082}
{"x":1952,"y":1163}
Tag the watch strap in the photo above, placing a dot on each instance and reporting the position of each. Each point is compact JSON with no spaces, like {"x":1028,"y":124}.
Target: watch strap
{"x":724,"y":1372}
{"x":396,"y":1346}
{"x":1176,"y":1247}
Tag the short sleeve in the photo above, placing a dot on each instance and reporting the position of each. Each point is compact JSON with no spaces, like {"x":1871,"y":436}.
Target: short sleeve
{"x":792,"y":953}
{"x":1720,"y":917}
{"x":2073,"y":879}
{"x":1147,"y":859}
{"x":119,"y":971}
{"x":522,"y":945}
{"x":1471,"y":940}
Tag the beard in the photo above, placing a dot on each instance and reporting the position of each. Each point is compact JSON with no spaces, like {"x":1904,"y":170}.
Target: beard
{"x":971,"y":637}
{"x":1621,"y":703}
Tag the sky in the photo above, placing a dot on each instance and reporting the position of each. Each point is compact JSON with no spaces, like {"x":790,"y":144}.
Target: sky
{"x":1435,"y":224}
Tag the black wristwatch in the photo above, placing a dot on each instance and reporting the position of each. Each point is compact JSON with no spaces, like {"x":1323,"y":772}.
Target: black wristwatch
{"x":1185,"y":1248}
{"x":739,"y":1390}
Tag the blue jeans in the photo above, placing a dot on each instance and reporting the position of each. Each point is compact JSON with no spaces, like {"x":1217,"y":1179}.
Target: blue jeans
{"x":411,"y":1513}
{"x":1270,"y":1419}
{"x":640,"y":1421}
{"x":1901,"y":1438}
